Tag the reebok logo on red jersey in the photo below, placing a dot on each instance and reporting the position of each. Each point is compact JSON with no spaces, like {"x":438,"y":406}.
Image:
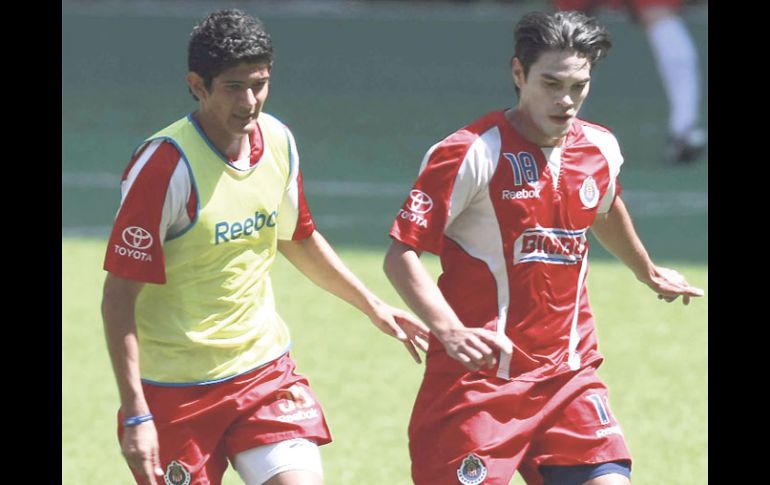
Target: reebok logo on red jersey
{"x":550,"y":245}
{"x":521,"y":194}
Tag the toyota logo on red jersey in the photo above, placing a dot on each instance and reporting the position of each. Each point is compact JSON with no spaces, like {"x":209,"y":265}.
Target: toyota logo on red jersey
{"x":420,"y":202}
{"x":137,"y":237}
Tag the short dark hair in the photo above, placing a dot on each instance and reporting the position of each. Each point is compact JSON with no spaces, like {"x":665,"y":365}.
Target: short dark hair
{"x":223,"y":40}
{"x":539,"y":32}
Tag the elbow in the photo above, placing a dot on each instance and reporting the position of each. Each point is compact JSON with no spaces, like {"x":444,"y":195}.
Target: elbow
{"x":388,"y":262}
{"x":393,"y":261}
{"x":397,"y":259}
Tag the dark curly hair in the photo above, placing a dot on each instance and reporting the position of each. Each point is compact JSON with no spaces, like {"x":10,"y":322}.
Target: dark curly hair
{"x":539,"y":32}
{"x":223,"y":40}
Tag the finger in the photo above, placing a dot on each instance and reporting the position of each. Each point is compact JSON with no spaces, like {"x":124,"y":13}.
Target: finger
{"x":413,"y":352}
{"x":412,"y":322}
{"x":487,"y":352}
{"x":148,"y":470}
{"x":686,"y":299}
{"x":392,"y":329}
{"x":500,"y":342}
{"x":421,"y":343}
{"x":693,"y":291}
{"x":411,"y":325}
{"x":158,"y":468}
{"x":475,"y":356}
{"x":466,"y":361}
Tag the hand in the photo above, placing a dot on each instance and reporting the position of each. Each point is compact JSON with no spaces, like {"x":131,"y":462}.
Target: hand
{"x":141,"y":451}
{"x":475,"y":347}
{"x":402,"y":326}
{"x":669,"y":285}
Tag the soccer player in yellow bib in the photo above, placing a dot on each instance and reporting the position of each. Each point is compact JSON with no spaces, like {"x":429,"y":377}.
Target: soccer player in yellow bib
{"x":200,"y":354}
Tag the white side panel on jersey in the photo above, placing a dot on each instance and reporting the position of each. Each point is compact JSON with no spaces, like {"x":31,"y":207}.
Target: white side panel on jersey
{"x":174,"y":218}
{"x":573,"y":358}
{"x":609,"y":147}
{"x":553,"y":156}
{"x":125,"y":186}
{"x":288,"y":213}
{"x":473,"y":225}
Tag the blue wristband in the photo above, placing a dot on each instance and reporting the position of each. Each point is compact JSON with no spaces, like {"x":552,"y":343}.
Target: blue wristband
{"x":134,"y":420}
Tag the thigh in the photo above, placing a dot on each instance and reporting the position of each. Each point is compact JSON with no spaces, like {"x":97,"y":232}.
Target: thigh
{"x":190,"y":428}
{"x":578,"y":428}
{"x":470,"y":429}
{"x":286,"y":462}
{"x":280,"y":406}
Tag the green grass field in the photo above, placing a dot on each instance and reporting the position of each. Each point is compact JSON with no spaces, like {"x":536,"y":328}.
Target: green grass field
{"x":656,"y":369}
{"x":366,"y":90}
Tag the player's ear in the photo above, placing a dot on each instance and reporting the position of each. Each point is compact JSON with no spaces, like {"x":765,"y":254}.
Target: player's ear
{"x":197,"y":86}
{"x":517,"y":71}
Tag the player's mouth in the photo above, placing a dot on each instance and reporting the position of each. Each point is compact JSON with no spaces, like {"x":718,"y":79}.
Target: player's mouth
{"x":247,"y":118}
{"x":560,"y":119}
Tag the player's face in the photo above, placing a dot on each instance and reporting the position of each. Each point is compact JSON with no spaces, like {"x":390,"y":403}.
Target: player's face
{"x":236,"y":97}
{"x":551,"y":94}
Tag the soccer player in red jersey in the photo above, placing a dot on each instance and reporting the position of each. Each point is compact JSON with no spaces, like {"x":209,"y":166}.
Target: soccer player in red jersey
{"x":506,"y":202}
{"x":200,"y":355}
{"x":676,"y":59}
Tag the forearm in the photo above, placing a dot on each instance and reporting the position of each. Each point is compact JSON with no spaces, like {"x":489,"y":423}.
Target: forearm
{"x":615,"y":231}
{"x":318,"y":261}
{"x":122,"y":344}
{"x":415,"y":285}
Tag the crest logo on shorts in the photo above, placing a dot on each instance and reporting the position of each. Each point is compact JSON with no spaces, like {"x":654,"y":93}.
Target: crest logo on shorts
{"x":176,"y":474}
{"x":472,"y":470}
{"x":589,"y":193}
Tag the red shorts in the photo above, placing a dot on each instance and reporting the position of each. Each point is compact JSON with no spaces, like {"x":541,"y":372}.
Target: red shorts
{"x":475,"y":426}
{"x":634,"y":5}
{"x":199,"y":427}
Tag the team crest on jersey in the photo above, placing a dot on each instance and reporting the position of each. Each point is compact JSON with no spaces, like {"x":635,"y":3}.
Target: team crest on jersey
{"x":176,"y":474}
{"x":589,"y":193}
{"x":472,"y":470}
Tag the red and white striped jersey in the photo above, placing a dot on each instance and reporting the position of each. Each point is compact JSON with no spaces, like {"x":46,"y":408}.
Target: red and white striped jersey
{"x":509,"y":220}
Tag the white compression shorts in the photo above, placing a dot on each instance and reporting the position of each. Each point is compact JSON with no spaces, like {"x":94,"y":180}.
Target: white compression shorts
{"x":258,"y":465}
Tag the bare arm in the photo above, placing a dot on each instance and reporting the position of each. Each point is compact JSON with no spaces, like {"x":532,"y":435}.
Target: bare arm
{"x":316,"y":259}
{"x":616,"y":233}
{"x":473,"y":347}
{"x":140,"y":442}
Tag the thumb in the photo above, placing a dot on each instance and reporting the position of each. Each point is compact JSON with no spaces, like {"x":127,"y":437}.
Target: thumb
{"x":156,"y":458}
